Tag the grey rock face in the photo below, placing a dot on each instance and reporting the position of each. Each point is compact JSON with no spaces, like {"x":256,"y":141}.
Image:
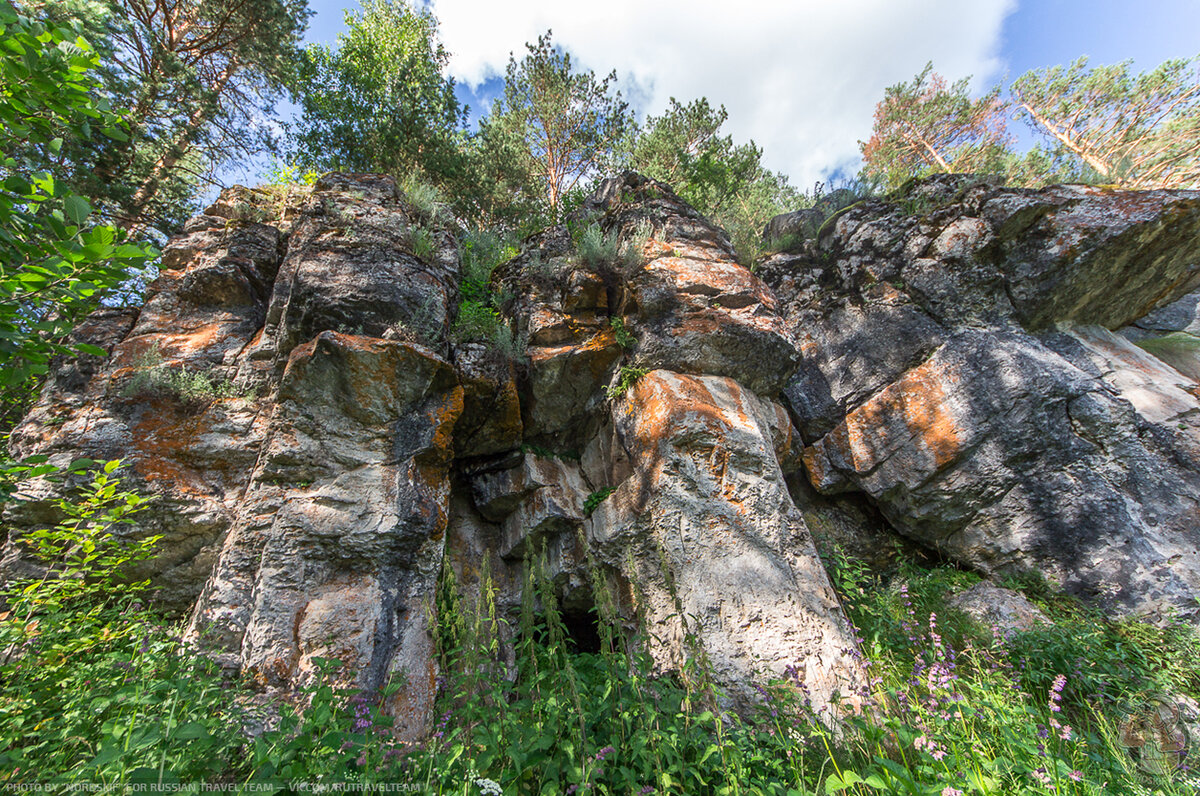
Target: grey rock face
{"x":793,"y":228}
{"x":1002,"y":609}
{"x":1005,"y":377}
{"x":337,"y":546}
{"x":703,"y":523}
{"x":959,"y":370}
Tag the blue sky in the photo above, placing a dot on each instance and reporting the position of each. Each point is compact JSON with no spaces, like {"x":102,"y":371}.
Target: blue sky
{"x":800,"y":77}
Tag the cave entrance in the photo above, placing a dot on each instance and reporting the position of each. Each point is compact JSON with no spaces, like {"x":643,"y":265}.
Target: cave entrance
{"x":582,"y":625}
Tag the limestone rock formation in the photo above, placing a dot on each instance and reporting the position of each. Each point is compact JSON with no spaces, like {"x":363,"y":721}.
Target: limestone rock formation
{"x":962,"y":370}
{"x":1003,"y":377}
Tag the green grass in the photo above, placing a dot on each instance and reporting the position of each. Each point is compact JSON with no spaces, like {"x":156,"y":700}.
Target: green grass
{"x":153,"y":377}
{"x":95,"y":688}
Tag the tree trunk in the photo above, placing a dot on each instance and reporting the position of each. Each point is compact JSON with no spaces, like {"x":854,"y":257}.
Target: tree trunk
{"x":175,"y":152}
{"x":1104,"y":169}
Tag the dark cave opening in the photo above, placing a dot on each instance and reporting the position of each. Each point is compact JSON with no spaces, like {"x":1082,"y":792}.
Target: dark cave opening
{"x":582,"y":627}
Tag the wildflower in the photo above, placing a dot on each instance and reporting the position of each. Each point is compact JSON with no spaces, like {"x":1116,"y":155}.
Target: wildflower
{"x":646,"y":791}
{"x":1065,"y":733}
{"x":938,"y":754}
{"x":1076,"y":775}
{"x":1056,"y":692}
{"x":603,"y":753}
{"x":1044,"y":778}
{"x":488,"y":787}
{"x":949,"y":791}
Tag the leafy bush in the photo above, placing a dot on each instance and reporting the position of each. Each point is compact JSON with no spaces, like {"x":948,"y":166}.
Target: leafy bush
{"x":624,"y":338}
{"x":422,"y":243}
{"x":482,"y":252}
{"x":93,"y":688}
{"x":56,"y":259}
{"x":626,"y":378}
{"x":975,"y":710}
{"x":476,"y":321}
{"x":481,"y":323}
{"x":594,"y":500}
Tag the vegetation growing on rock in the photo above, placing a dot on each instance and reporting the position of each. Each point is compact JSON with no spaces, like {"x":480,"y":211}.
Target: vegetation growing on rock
{"x":522,"y":491}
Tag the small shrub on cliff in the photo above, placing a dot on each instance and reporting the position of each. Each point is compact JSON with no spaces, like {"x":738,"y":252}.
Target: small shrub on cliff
{"x":596,"y":249}
{"x":425,"y":199}
{"x":482,"y":252}
{"x":154,"y":377}
{"x":624,"y":338}
{"x":626,"y":378}
{"x":422,"y":243}
{"x":478,"y":322}
{"x":594,"y":500}
{"x":600,"y":251}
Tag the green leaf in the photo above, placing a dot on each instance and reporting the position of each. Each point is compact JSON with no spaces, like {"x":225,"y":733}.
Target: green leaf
{"x":76,"y":209}
{"x":848,"y":779}
{"x":93,"y":350}
{"x":191,"y":731}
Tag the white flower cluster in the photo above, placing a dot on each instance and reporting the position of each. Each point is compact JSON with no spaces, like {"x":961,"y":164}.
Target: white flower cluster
{"x":488,"y":787}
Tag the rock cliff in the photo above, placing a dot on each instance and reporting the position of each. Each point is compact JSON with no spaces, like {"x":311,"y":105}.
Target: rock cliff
{"x":1007,"y":376}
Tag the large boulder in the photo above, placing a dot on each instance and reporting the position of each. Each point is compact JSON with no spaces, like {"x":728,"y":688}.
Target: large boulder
{"x":960,"y":368}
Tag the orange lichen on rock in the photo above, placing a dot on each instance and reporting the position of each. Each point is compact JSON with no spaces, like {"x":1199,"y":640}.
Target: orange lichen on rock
{"x":909,"y":414}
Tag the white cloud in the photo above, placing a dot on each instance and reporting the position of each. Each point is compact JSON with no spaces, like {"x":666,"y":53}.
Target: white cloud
{"x":801,"y":78}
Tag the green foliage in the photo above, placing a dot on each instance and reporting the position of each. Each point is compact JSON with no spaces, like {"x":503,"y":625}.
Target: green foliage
{"x":1136,"y":130}
{"x":1098,"y":125}
{"x":983,"y":711}
{"x":153,"y":377}
{"x":380,"y":101}
{"x":55,"y":261}
{"x":928,"y":127}
{"x":624,"y":338}
{"x":551,"y":131}
{"x":93,"y":688}
{"x":476,"y":321}
{"x":601,"y":251}
{"x":724,"y":181}
{"x":594,"y":500}
{"x":194,"y":78}
{"x":478,"y":317}
{"x":482,"y":252}
{"x":626,"y":378}
{"x":281,"y":173}
{"x":479,"y":322}
{"x":425,"y":198}
{"x":597,"y":249}
{"x":422,"y":243}
{"x":546,"y":453}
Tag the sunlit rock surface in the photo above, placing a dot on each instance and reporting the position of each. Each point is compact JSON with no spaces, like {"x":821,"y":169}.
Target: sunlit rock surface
{"x":1003,"y":377}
